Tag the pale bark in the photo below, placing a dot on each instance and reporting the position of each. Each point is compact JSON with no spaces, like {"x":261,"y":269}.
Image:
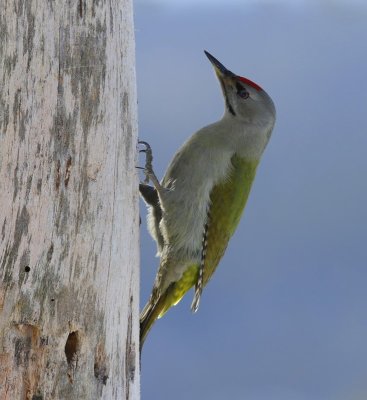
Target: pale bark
{"x":68,"y":201}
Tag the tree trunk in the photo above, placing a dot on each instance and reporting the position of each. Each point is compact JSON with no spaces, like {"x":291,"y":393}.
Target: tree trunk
{"x":68,"y":201}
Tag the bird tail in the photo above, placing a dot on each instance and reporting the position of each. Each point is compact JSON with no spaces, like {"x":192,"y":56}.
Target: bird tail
{"x":154,"y":309}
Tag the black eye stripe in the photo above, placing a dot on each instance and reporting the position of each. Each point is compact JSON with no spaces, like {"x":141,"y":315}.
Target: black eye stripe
{"x":241,"y":91}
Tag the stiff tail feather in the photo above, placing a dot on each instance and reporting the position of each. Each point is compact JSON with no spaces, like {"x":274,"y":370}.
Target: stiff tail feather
{"x":152,"y":311}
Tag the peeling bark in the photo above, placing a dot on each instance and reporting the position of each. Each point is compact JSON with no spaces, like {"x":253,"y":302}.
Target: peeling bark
{"x":68,"y":201}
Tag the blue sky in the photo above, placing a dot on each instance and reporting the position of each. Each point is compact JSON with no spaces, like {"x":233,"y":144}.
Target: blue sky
{"x":284,"y":317}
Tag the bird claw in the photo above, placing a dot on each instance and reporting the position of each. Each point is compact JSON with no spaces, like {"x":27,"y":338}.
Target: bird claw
{"x":148,"y":168}
{"x":147,"y":146}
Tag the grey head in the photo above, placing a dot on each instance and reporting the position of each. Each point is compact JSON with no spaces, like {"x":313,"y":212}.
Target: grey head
{"x":244,"y":99}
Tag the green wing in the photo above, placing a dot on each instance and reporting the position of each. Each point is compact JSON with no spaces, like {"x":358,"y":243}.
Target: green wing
{"x":228,"y":200}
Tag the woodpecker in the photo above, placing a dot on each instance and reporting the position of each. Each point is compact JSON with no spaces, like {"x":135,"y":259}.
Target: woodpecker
{"x":195,"y":209}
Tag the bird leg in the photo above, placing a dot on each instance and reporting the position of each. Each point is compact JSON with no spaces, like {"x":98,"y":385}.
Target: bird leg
{"x":148,"y":168}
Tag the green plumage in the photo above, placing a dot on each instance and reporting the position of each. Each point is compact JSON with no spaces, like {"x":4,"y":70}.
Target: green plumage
{"x":227,"y":201}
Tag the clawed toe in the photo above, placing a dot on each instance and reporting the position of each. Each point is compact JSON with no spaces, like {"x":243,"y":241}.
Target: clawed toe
{"x":148,"y":168}
{"x":147,"y":146}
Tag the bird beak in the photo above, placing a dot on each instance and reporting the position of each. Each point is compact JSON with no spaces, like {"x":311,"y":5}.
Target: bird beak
{"x":220,"y":69}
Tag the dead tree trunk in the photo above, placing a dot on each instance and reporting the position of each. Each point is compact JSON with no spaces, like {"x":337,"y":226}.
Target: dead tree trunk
{"x":68,"y":201}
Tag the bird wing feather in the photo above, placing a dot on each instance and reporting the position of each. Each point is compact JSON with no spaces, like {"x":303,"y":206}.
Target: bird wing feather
{"x":227,"y":201}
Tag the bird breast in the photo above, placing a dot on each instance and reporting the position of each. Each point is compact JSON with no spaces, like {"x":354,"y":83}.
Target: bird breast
{"x":195,"y":170}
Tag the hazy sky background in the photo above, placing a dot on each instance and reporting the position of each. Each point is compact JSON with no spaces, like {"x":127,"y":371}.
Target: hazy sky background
{"x":285,"y":315}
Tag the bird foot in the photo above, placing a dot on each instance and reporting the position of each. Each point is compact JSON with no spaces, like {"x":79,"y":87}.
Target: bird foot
{"x":148,"y":168}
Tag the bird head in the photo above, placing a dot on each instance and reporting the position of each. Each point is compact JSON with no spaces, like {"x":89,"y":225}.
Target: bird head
{"x":245,"y":100}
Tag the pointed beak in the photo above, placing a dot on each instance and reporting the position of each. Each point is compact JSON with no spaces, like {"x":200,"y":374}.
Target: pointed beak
{"x":220,"y":69}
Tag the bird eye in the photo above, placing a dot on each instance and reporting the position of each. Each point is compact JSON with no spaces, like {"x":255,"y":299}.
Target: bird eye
{"x":243,"y":93}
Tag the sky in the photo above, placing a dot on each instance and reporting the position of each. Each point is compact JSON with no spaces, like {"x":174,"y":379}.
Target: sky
{"x":284,"y":316}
